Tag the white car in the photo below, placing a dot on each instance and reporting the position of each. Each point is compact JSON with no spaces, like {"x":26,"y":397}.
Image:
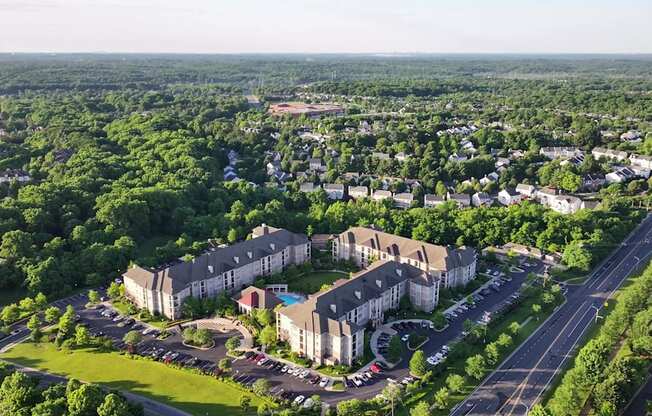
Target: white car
{"x":405,"y":338}
{"x":284,"y":369}
{"x":299,"y":399}
{"x":323,"y":383}
{"x":308,"y":403}
{"x":304,"y":374}
{"x":263,"y":361}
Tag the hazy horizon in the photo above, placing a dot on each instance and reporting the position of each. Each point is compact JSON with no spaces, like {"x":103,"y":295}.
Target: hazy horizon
{"x":508,"y":27}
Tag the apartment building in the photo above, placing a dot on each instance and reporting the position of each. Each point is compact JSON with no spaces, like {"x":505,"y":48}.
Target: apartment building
{"x":329,"y":327}
{"x":162,"y":290}
{"x":455,"y":267}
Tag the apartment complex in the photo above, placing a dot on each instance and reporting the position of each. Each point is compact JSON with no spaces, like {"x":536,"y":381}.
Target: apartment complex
{"x":162,"y":290}
{"x":329,"y":327}
{"x":455,"y":267}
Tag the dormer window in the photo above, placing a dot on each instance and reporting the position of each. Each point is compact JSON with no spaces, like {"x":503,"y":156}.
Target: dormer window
{"x":333,"y":308}
{"x":250,"y":254}
{"x":272,"y":246}
{"x":210,"y":269}
{"x":236,"y":259}
{"x":399,"y":272}
{"x":379,"y":283}
{"x":358,"y":294}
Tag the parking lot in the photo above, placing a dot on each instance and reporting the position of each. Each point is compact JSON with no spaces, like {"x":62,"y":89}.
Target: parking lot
{"x":292,"y":382}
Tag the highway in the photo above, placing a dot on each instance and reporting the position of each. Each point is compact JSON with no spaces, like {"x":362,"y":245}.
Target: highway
{"x":521,"y":380}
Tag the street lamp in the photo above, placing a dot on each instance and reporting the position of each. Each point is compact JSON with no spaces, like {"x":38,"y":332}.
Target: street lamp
{"x":597,"y":312}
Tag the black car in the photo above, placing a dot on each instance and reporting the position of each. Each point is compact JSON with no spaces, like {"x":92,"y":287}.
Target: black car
{"x":248,"y":354}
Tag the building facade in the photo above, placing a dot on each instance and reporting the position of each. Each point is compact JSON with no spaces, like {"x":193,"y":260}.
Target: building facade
{"x":455,"y":267}
{"x":329,"y":327}
{"x":162,"y":290}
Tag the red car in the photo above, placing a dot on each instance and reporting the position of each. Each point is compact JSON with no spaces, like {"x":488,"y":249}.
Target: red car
{"x":375,"y":369}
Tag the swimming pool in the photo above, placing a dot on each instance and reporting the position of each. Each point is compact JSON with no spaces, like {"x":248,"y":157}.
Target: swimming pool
{"x":290,"y":298}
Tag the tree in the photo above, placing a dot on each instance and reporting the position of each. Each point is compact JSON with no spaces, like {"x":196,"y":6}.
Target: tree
{"x":504,"y":340}
{"x":418,"y":364}
{"x":441,"y":398}
{"x":85,"y":400}
{"x":232,"y":343}
{"x":41,"y":301}
{"x":10,"y":314}
{"x":27,"y":305}
{"x":263,"y":409}
{"x":547,"y":298}
{"x":245,"y":403}
{"x":203,"y":337}
{"x":576,"y":255}
{"x":261,"y":386}
{"x":113,"y":405}
{"x":265,"y":317}
{"x":475,"y":366}
{"x":536,"y":310}
{"x":52,"y":314}
{"x":34,"y":325}
{"x":455,"y":383}
{"x":353,"y":407}
{"x":93,"y":296}
{"x":514,"y":328}
{"x":492,"y":353}
{"x":67,"y":322}
{"x":224,"y":364}
{"x":17,"y":394}
{"x":267,"y":336}
{"x":421,"y":409}
{"x":592,"y":360}
{"x":82,"y":336}
{"x":114,"y":291}
{"x":392,"y":392}
{"x":539,"y":410}
{"x":132,"y":338}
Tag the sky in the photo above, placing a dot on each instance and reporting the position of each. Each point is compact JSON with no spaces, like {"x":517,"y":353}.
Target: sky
{"x":327,"y":26}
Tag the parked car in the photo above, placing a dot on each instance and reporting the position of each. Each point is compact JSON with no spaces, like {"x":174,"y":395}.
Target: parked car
{"x":299,"y":399}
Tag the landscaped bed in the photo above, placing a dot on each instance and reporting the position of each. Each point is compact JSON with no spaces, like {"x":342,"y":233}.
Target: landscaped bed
{"x":193,"y":393}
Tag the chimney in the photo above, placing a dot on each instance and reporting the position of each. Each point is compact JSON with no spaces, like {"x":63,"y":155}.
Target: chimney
{"x":358,"y":294}
{"x":210,"y":269}
{"x":250,"y":254}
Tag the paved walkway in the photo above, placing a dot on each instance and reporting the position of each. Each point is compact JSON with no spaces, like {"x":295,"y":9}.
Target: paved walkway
{"x":226,"y":325}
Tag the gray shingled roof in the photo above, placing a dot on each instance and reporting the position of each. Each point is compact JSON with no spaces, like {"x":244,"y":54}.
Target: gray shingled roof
{"x":174,"y":278}
{"x":317,"y":314}
{"x":438,"y":257}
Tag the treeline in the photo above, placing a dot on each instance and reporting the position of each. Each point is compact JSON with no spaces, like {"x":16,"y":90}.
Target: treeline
{"x":609,"y":368}
{"x":22,"y":395}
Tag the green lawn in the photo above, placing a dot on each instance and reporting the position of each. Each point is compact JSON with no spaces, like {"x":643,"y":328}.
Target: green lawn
{"x":311,"y":283}
{"x":193,"y":393}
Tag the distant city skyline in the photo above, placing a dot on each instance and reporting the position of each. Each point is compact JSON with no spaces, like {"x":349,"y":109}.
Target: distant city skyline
{"x":321,"y":26}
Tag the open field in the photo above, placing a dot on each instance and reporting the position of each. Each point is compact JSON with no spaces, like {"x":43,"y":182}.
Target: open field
{"x":193,"y":393}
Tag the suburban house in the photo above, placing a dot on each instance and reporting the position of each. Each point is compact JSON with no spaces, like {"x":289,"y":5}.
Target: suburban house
{"x":357,"y":192}
{"x":334,"y":190}
{"x":329,"y":327}
{"x":565,"y":204}
{"x":316,"y":165}
{"x":308,"y":187}
{"x":543,"y":195}
{"x":455,"y":267}
{"x":380,"y":156}
{"x":162,"y":290}
{"x":432,"y":200}
{"x":255,"y":298}
{"x":380,"y":195}
{"x":401,"y":156}
{"x":403,"y":200}
{"x":601,"y":152}
{"x":621,"y":174}
{"x":592,"y":182}
{"x":462,"y":200}
{"x":457,"y":158}
{"x":526,"y":190}
{"x":641,"y":160}
{"x":631,"y":136}
{"x":560,"y":152}
{"x":509,"y":196}
{"x":480,"y":199}
{"x":489,"y":178}
{"x":14,"y":175}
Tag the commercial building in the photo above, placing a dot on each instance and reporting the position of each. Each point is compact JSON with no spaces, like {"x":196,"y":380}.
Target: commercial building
{"x":162,"y":290}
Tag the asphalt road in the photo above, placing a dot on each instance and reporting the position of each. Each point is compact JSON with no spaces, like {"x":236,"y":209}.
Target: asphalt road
{"x":522,"y":378}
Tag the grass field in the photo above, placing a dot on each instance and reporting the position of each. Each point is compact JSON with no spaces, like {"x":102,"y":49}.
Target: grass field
{"x":193,"y":393}
{"x":311,"y":283}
